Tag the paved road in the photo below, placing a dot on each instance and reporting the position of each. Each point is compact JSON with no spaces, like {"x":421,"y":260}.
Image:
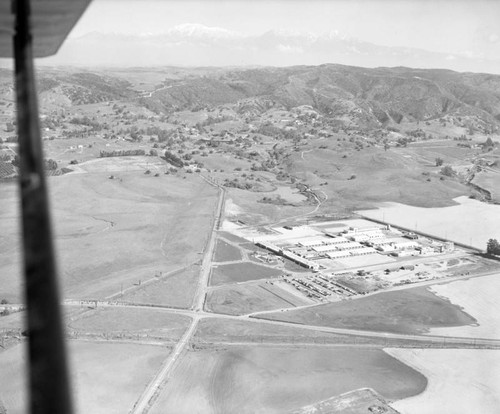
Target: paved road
{"x":198,"y":315}
{"x":201,"y":292}
{"x":143,"y":403}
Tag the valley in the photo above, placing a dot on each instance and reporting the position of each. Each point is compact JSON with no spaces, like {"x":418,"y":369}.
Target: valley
{"x":262,"y":239}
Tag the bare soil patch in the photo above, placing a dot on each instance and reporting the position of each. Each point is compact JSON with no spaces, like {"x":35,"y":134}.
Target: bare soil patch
{"x":459,"y":381}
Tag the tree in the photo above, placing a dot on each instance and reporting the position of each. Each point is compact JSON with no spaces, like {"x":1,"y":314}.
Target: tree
{"x":448,"y":171}
{"x":50,"y":164}
{"x":493,"y":247}
{"x":439,"y":162}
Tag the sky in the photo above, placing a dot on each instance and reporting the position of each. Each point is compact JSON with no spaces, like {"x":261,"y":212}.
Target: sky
{"x":461,"y":35}
{"x":469,"y":27}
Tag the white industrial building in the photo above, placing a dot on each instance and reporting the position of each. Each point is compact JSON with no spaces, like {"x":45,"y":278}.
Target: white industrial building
{"x":334,"y":239}
{"x":350,"y":246}
{"x":363,"y":251}
{"x":386,"y":248}
{"x":342,"y":254}
{"x":300,"y":260}
{"x":312,"y":241}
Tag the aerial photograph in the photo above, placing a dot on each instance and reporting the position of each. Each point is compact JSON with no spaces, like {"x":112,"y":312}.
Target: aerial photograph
{"x":249,"y":207}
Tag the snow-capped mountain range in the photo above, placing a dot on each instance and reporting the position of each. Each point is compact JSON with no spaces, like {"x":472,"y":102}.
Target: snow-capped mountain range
{"x":199,"y":45}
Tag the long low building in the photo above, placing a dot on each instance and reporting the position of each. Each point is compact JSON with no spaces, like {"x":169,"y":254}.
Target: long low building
{"x":334,"y":247}
{"x":334,"y":239}
{"x":300,"y":260}
{"x":363,"y":251}
{"x":339,"y":254}
{"x":269,"y":246}
{"x":312,"y":241}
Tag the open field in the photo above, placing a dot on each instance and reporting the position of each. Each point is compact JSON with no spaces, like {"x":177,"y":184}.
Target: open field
{"x":274,"y":380}
{"x":478,"y":221}
{"x":289,"y":194}
{"x":216,"y":332}
{"x":107,"y":377}
{"x":460,"y":381}
{"x":224,"y":252}
{"x":241,"y":272}
{"x":379,"y":176}
{"x":426,"y":152}
{"x":405,"y":311}
{"x":10,"y":248}
{"x":146,"y":323}
{"x":176,"y":289}
{"x":101,"y":225}
{"x":253,"y":212}
{"x":479,"y":298}
{"x":13,"y":321}
{"x":489,"y":181}
{"x":249,"y":298}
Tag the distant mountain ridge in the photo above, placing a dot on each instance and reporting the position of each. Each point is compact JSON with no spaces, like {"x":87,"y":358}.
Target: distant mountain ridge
{"x":199,"y":45}
{"x":369,"y":98}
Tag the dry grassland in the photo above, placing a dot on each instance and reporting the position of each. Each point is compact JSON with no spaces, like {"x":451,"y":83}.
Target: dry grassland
{"x":243,"y":299}
{"x":10,"y":247}
{"x":13,"y":321}
{"x":489,"y":181}
{"x":241,"y":272}
{"x":176,"y":289}
{"x":408,"y":311}
{"x":274,"y":380}
{"x":114,"y":233}
{"x":217,"y":331}
{"x":146,"y":322}
{"x":255,"y":213}
{"x":224,"y":252}
{"x":379,"y":177}
{"x":107,"y":377}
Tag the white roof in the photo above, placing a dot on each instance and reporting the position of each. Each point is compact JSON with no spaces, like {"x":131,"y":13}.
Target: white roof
{"x":325,"y":248}
{"x":337,"y":254}
{"x":364,"y":250}
{"x":312,"y":241}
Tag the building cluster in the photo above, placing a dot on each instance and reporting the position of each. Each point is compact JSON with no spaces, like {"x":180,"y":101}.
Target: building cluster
{"x":351,"y":242}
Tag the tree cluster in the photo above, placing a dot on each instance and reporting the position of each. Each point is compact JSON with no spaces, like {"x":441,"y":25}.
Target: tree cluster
{"x":173,"y":159}
{"x":493,"y":247}
{"x":121,"y":153}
